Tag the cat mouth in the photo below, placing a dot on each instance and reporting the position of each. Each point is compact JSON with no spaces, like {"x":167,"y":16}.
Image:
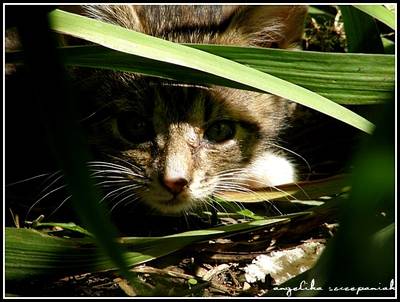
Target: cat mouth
{"x":175,"y":204}
{"x":167,"y":202}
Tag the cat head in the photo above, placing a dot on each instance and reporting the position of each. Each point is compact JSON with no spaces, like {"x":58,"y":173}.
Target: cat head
{"x":174,"y":145}
{"x":279,"y":26}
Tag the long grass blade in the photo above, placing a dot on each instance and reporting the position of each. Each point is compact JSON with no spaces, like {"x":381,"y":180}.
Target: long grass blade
{"x":139,"y":44}
{"x":305,"y":190}
{"x":379,"y":12}
{"x":361,"y":31}
{"x":351,"y":79}
{"x":31,"y":254}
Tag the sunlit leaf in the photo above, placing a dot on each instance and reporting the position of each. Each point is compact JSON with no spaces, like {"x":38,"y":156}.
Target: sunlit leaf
{"x":31,"y":253}
{"x":379,"y":12}
{"x":142,"y":45}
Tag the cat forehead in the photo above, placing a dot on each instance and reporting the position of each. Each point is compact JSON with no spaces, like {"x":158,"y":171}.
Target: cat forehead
{"x":196,"y":104}
{"x":181,"y":103}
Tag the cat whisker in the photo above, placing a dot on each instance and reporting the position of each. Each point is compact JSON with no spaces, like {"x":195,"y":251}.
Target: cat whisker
{"x":130,"y":187}
{"x":126,"y":173}
{"x":272,"y":187}
{"x":131,"y":165}
{"x":246,"y":177}
{"x":123,"y":199}
{"x":210,"y":203}
{"x":54,"y":174}
{"x":51,"y":184}
{"x":107,"y":165}
{"x":117,"y":171}
{"x":133,"y":200}
{"x":115,"y":168}
{"x":240,"y":180}
{"x":238,"y":204}
{"x":232,"y":188}
{"x":108,"y":183}
{"x":88,"y":117}
{"x":302,"y":190}
{"x":60,"y":205}
{"x":43,"y":197}
{"x":230,"y":171}
{"x":294,"y":153}
{"x":109,"y":177}
{"x":27,"y":179}
{"x":228,"y":187}
{"x":128,"y":190}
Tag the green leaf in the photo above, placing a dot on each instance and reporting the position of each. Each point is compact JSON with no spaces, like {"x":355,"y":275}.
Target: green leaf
{"x":343,"y":77}
{"x":350,"y":79}
{"x":68,"y":145}
{"x":388,"y":46}
{"x":379,"y":12}
{"x":361,"y":31}
{"x":250,"y":214}
{"x":192,"y":281}
{"x":363,"y":251}
{"x":312,"y":10}
{"x":305,"y":190}
{"x":71,"y":226}
{"x":149,"y":47}
{"x":31,"y":254}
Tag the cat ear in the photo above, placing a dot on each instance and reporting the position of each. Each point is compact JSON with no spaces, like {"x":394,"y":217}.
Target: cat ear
{"x":278,"y":26}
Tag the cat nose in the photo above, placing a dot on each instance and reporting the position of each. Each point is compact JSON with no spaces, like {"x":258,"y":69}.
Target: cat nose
{"x":174,"y":185}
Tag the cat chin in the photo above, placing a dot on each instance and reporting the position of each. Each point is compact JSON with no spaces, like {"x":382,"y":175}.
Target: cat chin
{"x":173,"y":206}
{"x":270,"y":170}
{"x":165,"y":203}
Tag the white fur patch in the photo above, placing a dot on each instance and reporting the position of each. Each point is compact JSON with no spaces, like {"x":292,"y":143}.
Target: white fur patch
{"x":271,"y":170}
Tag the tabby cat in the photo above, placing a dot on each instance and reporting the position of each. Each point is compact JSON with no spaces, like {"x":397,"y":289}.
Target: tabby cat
{"x":173,"y":145}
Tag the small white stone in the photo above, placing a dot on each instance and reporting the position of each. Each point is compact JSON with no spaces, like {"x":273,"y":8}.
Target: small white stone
{"x":283,"y":265}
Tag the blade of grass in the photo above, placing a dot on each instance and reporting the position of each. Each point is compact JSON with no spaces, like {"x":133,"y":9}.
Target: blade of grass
{"x":363,"y":251}
{"x":66,"y":140}
{"x":313,"y":10}
{"x":31,"y":254}
{"x":351,"y":79}
{"x":361,"y":31}
{"x":343,"y":77}
{"x":388,"y":46}
{"x":306,"y":190}
{"x":66,"y":226}
{"x":379,"y":12}
{"x":142,"y":45}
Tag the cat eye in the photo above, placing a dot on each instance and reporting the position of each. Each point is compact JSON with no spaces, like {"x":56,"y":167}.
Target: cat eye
{"x":134,"y":129}
{"x":220,"y":131}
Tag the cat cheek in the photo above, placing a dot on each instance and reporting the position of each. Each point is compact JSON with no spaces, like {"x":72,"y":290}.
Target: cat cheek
{"x":142,"y":158}
{"x":200,"y":187}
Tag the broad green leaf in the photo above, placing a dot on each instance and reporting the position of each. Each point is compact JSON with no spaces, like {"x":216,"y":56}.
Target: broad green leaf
{"x":343,"y":77}
{"x":361,"y":31}
{"x":68,"y":145}
{"x":306,"y":190}
{"x":379,"y":12}
{"x":139,"y":44}
{"x":312,"y":10}
{"x":363,"y":251}
{"x":31,"y":253}
{"x":351,"y":79}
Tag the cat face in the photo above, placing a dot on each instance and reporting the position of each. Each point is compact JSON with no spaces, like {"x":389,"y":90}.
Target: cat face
{"x":180,"y":144}
{"x":173,"y":146}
